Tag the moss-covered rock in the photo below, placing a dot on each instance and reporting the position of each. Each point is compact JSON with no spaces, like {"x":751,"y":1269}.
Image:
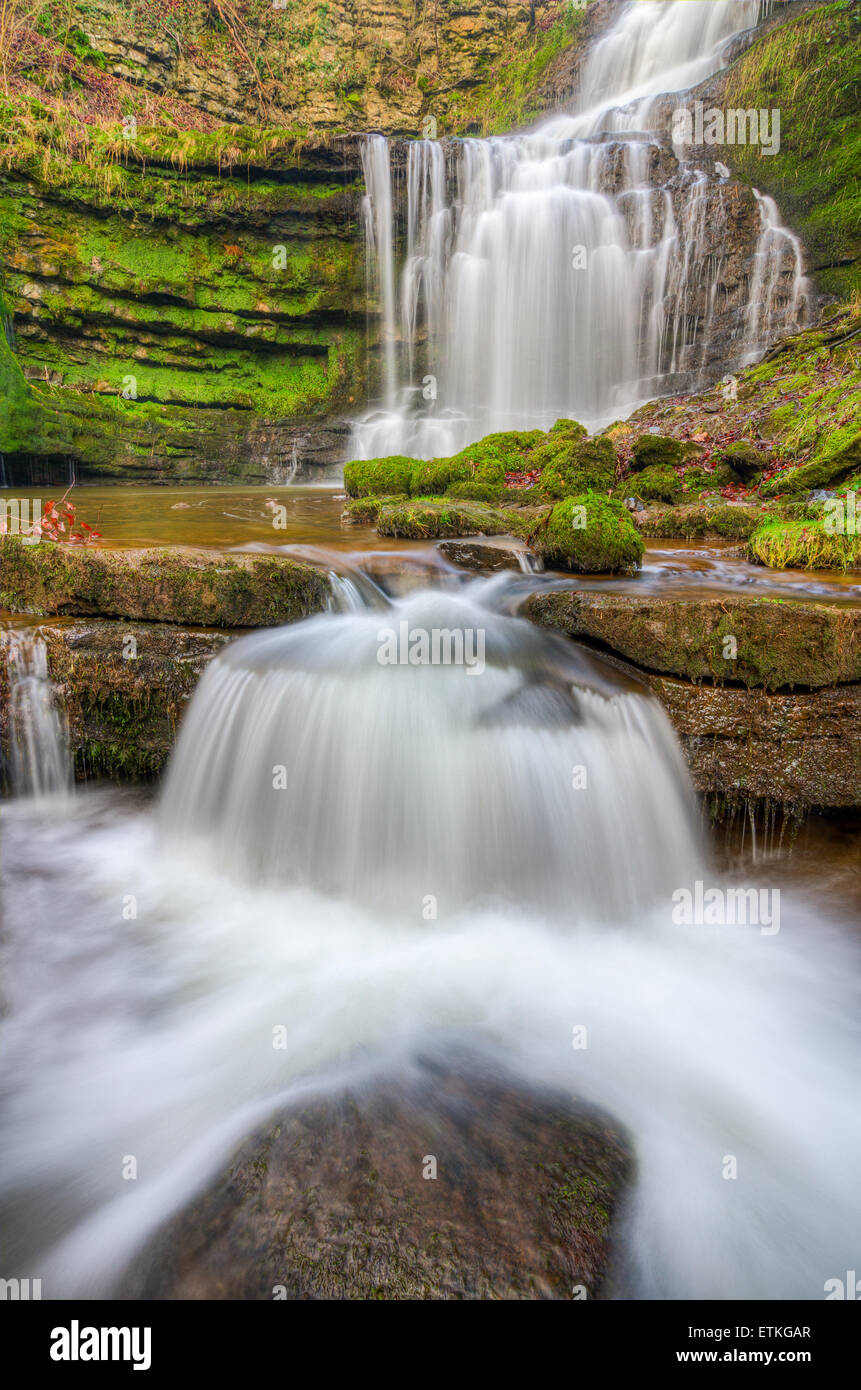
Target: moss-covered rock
{"x":572,"y":463}
{"x":176,"y":585}
{"x":809,"y":544}
{"x":743,"y":459}
{"x":491,"y":493}
{"x":432,"y":518}
{"x":433,"y":477}
{"x":809,"y":68}
{"x":658,"y":483}
{"x":695,"y":522}
{"x":589,"y":534}
{"x":379,"y":477}
{"x":836,"y":457}
{"x":656,"y":451}
{"x":774,"y":643}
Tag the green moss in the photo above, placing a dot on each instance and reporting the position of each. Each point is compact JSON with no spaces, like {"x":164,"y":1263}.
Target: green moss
{"x":478,"y":492}
{"x":590,"y":534}
{"x":836,"y":458}
{"x":379,"y":477}
{"x":429,"y":518}
{"x":173,"y":586}
{"x":658,"y":483}
{"x":810,"y":69}
{"x":693,"y":522}
{"x":433,"y":477}
{"x":656,"y":451}
{"x":571,"y":463}
{"x":804,"y":544}
{"x":365,"y":510}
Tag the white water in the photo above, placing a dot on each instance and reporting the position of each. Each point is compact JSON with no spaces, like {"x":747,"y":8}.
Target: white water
{"x":40,"y":763}
{"x":567,"y":274}
{"x":151,"y":1036}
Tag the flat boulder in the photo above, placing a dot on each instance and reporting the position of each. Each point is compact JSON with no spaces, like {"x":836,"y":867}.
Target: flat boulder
{"x":168,"y":585}
{"x":775,"y":644}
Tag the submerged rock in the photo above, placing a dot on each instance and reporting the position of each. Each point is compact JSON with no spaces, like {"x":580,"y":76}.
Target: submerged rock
{"x":175,"y":585}
{"x":448,"y":1182}
{"x":776,"y":644}
{"x":472,"y":555}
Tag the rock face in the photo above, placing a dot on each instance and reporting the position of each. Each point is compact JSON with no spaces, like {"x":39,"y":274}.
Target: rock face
{"x":798,"y":750}
{"x":204,"y":323}
{"x":771,"y":643}
{"x":332,"y":1202}
{"x":176,"y":585}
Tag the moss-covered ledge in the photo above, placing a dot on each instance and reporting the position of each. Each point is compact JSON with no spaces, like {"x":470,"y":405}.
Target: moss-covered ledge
{"x":774,"y":644}
{"x":174,"y":585}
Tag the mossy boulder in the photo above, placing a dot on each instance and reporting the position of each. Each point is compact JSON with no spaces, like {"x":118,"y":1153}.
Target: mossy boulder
{"x":656,"y":451}
{"x":742,"y":459}
{"x":505,"y":452}
{"x":809,"y":543}
{"x":332,"y":1200}
{"x":658,"y":483}
{"x":774,"y":643}
{"x":590,"y":534}
{"x":693,"y":522}
{"x":433,"y":477}
{"x":571,"y":465}
{"x":378,"y":477}
{"x":176,"y":585}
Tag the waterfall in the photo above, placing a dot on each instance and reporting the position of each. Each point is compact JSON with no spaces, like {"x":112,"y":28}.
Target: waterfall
{"x":779,"y":287}
{"x":39,"y":760}
{"x":571,"y":270}
{"x":316,"y":700}
{"x":374,"y":858}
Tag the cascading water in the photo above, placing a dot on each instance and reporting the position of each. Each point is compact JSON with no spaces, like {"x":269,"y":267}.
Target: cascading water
{"x":39,"y":762}
{"x":317,"y":799}
{"x":574,"y":270}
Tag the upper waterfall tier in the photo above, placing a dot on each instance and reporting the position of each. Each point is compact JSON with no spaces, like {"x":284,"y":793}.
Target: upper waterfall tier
{"x":576,"y":269}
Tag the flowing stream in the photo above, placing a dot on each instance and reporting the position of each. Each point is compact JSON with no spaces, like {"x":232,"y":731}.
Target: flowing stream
{"x":572,"y":270}
{"x":318,"y":800}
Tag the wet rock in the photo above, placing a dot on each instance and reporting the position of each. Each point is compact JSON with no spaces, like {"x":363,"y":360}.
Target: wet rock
{"x":332,"y":1202}
{"x":472,"y":555}
{"x":801,"y":750}
{"x":175,"y":585}
{"x":775,"y":644}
